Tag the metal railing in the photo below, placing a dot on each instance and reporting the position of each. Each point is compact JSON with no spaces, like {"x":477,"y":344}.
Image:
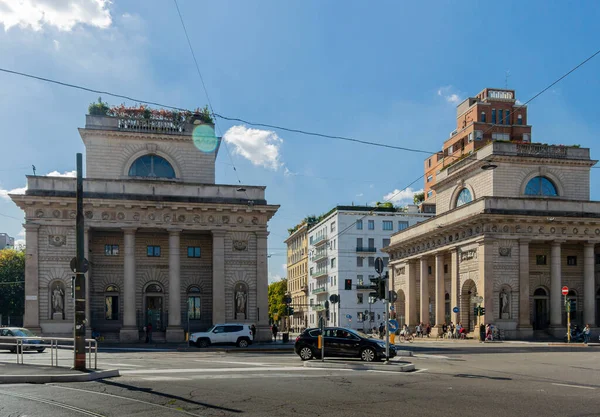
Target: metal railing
{"x":366,"y":249}
{"x":54,"y":343}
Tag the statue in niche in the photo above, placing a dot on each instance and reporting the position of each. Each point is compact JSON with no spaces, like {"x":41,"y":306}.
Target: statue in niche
{"x":504,"y":305}
{"x":58,"y":302}
{"x":241,"y":298}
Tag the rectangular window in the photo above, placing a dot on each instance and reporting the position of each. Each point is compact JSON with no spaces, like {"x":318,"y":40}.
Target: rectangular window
{"x":506,"y":117}
{"x":333,"y":226}
{"x":429,"y":178}
{"x":359,"y":225}
{"x":111,"y":307}
{"x":526,"y":137}
{"x":385,"y":243}
{"x":429,"y":270}
{"x":333,"y":262}
{"x":540,"y":259}
{"x":482,"y":117}
{"x":359,"y":243}
{"x":111,"y":250}
{"x":572,"y":260}
{"x":402,"y":225}
{"x":193,"y":251}
{"x":446,"y":269}
{"x":519,"y":120}
{"x":371,"y":244}
{"x":450,"y":149}
{"x":429,"y":193}
{"x":500,"y":136}
{"x":499,"y":116}
{"x":359,"y":298}
{"x":494,"y":116}
{"x":371,"y":224}
{"x":371,"y":261}
{"x":429,"y":163}
{"x":359,"y":261}
{"x":194,"y":307}
{"x":359,"y":280}
{"x":388,"y":225}
{"x":153,"y":251}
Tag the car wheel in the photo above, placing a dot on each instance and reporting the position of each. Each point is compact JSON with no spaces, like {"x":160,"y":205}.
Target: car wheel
{"x":368,"y":355}
{"x":242,"y":343}
{"x":41,"y":350}
{"x":203,"y":343}
{"x":306,"y":353}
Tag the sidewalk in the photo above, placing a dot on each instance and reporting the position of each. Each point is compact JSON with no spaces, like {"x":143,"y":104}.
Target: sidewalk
{"x":12,"y":373}
{"x":275,"y":347}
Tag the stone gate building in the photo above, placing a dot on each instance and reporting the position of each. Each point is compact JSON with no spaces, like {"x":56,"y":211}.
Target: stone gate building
{"x":166,"y":245}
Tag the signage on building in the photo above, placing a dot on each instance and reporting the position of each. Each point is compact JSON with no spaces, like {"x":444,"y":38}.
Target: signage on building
{"x":507,"y":95}
{"x":467,"y":255}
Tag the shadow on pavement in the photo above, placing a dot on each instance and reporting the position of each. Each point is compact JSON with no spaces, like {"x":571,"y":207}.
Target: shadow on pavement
{"x":169,"y":396}
{"x":495,"y":378}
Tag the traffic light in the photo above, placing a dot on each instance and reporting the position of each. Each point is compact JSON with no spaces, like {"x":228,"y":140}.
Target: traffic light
{"x":381,"y":289}
{"x":348,"y":284}
{"x":72,"y":287}
{"x":327,"y":309}
{"x":476,"y":311}
{"x":290,"y":311}
{"x":481,"y":311}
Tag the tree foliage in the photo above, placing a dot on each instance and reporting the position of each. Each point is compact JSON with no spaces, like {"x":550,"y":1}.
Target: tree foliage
{"x":12,"y":269}
{"x":277,"y":292}
{"x":419,"y":197}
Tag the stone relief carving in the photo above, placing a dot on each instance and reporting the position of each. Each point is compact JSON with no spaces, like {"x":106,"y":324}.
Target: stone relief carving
{"x":240,"y":245}
{"x":120,"y":215}
{"x":575,"y":231}
{"x":89,"y":214}
{"x":467,"y":255}
{"x":151,"y":216}
{"x":241,"y":301}
{"x":136,"y":216}
{"x":56,"y":213}
{"x":552,"y":230}
{"x":181,"y":218}
{"x":196,"y":219}
{"x":211,"y":219}
{"x":72,"y":214}
{"x":254,"y":220}
{"x":505,"y":251}
{"x":505,"y":229}
{"x":58,"y":301}
{"x":504,"y":305}
{"x":57,"y":240}
{"x":401,"y":271}
{"x":240,"y":219}
{"x":225,"y":219}
{"x":105,"y":215}
{"x":39,"y":213}
{"x":167,"y":218}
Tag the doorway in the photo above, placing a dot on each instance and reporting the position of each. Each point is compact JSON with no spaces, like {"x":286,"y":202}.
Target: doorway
{"x":153,"y":301}
{"x":540,"y":309}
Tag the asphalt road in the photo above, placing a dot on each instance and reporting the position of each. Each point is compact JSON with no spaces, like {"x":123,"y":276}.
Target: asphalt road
{"x":452,"y":379}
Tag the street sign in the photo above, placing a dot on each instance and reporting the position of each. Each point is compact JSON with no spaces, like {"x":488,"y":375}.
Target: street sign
{"x":334,"y":298}
{"x":348,"y":316}
{"x":455,"y":309}
{"x":392,"y":308}
{"x":565,"y":290}
{"x":84,"y":265}
{"x":379,"y":265}
{"x":393,"y":325}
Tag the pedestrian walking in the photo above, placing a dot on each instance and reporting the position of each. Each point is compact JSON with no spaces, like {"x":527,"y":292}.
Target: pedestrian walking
{"x":586,"y":334}
{"x":381,"y":330}
{"x":148,"y":330}
{"x":274,"y":329}
{"x":418,"y":330}
{"x":428,"y":330}
{"x":253,"y":330}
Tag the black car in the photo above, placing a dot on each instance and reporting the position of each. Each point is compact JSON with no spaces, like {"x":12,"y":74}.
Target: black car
{"x":341,"y":342}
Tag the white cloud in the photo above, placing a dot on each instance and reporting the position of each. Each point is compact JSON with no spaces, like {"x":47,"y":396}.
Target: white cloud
{"x":56,"y":44}
{"x":61,"y":14}
{"x":448,"y":95}
{"x":261,"y":147}
{"x":401,"y":197}
{"x":274,"y":278}
{"x":284,"y":267}
{"x":359,"y":195}
{"x":4,"y":193}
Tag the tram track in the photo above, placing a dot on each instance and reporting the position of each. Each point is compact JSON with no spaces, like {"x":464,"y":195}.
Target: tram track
{"x":54,"y":403}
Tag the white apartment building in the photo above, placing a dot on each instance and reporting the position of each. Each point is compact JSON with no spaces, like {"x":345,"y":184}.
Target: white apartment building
{"x":342,"y":249}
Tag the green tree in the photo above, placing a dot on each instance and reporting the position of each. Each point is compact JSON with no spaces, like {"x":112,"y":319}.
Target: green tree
{"x":12,"y":269}
{"x":277,"y":292}
{"x":419,"y":197}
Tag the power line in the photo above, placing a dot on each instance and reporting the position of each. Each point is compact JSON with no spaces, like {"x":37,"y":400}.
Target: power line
{"x":10,"y":217}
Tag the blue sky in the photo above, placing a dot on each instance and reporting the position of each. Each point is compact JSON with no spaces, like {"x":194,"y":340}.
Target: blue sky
{"x":389,"y":72}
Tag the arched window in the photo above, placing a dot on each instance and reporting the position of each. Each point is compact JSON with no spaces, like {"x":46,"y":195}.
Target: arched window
{"x":541,"y":186}
{"x":194,"y":303}
{"x":540,"y":292}
{"x":464,"y":197}
{"x":154,"y":288}
{"x":111,"y":302}
{"x":151,"y":166}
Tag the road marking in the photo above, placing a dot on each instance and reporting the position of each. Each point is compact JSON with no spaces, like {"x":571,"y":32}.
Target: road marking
{"x":204,"y":370}
{"x":54,"y":403}
{"x":420,"y":370}
{"x":234,"y":363}
{"x":573,"y":386}
{"x":120,"y":364}
{"x":431,"y":356}
{"x":236,"y":376}
{"x":165,"y":378}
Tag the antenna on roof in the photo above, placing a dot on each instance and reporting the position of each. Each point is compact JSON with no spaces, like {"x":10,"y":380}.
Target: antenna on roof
{"x":33,"y":166}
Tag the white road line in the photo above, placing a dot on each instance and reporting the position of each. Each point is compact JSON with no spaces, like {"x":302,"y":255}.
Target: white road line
{"x":205,"y":370}
{"x":420,"y":370}
{"x":234,"y":363}
{"x":573,"y":386}
{"x":165,"y":378}
{"x":431,"y":356}
{"x":120,"y":364}
{"x":233,"y":376}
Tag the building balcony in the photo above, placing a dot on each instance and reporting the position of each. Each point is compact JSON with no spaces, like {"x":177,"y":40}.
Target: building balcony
{"x":318,"y":307}
{"x":153,"y":124}
{"x":319,"y":240}
{"x":318,"y":274}
{"x":320,"y":257}
{"x":319,"y":290}
{"x":365,"y":250}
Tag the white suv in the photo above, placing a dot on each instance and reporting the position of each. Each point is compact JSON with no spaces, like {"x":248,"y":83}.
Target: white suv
{"x":223,"y":334}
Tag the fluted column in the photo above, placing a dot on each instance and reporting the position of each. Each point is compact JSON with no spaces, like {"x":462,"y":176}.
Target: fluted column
{"x":411,"y":294}
{"x":525,"y":328}
{"x":129,"y":332}
{"x":555,"y":285}
{"x":31,"y":320}
{"x":424,"y":291}
{"x":454,"y":290}
{"x":218,"y":307}
{"x":589,"y":296}
{"x":440,"y":293}
{"x":262,"y":286}
{"x":174,"y":329}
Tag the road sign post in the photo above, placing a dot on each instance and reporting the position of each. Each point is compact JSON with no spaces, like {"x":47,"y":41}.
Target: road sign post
{"x":565,"y":291}
{"x":322,"y":338}
{"x":80,"y":320}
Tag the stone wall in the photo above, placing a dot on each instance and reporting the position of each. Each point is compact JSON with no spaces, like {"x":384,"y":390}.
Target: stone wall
{"x":240,"y":267}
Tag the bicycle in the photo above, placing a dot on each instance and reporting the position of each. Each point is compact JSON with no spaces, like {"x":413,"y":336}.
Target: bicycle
{"x":406,"y":338}
{"x":498,"y":334}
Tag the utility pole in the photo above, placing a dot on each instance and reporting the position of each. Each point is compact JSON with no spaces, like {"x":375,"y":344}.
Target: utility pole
{"x":385,"y":316}
{"x":80,"y":270}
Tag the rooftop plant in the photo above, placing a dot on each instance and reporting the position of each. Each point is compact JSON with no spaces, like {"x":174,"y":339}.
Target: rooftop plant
{"x":142,"y":111}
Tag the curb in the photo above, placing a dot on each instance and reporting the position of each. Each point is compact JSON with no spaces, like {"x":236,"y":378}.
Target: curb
{"x":237,"y":350}
{"x":45,"y":379}
{"x":568,"y":344}
{"x":359,"y":366}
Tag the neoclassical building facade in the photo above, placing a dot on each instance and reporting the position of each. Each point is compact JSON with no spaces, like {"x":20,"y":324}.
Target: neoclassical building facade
{"x":165,"y":244}
{"x":514,"y":225}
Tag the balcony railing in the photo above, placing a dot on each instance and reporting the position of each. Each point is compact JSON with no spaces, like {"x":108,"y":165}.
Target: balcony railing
{"x":318,"y":273}
{"x":318,"y":240}
{"x":319,"y":290}
{"x":366,"y":249}
{"x":319,"y":256}
{"x":541,"y":150}
{"x":318,"y":307}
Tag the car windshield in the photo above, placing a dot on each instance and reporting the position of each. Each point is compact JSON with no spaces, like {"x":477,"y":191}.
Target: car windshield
{"x":23,"y":333}
{"x":358,"y":333}
{"x":211,"y":329}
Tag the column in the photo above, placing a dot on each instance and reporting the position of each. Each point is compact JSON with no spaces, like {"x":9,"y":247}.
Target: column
{"x":174,"y":329}
{"x":424,"y":291}
{"x":31,"y":320}
{"x":555,"y":286}
{"x":454,"y":286}
{"x":440,"y":293}
{"x":129,"y":332}
{"x":588,"y":284}
{"x":218,"y":306}
{"x":485,"y":256}
{"x":525,"y":328}
{"x":88,"y":301}
{"x":411,"y":294}
{"x":262,"y":287}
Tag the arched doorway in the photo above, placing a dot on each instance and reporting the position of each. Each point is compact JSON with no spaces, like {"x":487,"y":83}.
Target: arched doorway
{"x":540,"y":309}
{"x":400,"y":308}
{"x":467,"y":305}
{"x":153,"y":306}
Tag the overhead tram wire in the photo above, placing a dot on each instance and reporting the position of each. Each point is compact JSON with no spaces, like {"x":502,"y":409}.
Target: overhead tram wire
{"x":206,"y":92}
